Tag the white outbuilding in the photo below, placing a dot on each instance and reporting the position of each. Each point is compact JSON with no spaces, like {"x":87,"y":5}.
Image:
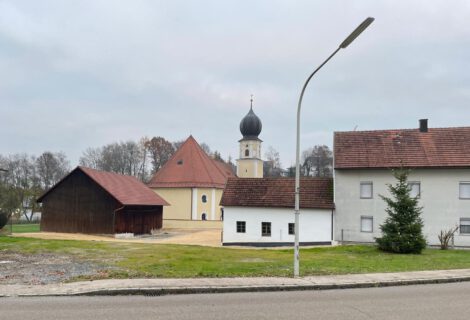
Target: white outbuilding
{"x":260,"y":211}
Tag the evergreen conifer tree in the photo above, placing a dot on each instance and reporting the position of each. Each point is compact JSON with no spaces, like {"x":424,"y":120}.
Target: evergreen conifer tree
{"x":402,"y":230}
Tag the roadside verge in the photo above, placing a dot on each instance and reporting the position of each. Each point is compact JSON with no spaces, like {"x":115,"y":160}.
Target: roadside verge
{"x":221,"y":285}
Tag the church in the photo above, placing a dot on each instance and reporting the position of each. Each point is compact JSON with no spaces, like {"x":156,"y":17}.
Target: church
{"x":253,"y":210}
{"x":192,"y":183}
{"x":259,"y":211}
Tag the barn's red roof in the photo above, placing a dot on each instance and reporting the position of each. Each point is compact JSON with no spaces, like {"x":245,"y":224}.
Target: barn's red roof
{"x":126,"y":190}
{"x":190,"y":167}
{"x":278,"y":192}
{"x":436,"y":148}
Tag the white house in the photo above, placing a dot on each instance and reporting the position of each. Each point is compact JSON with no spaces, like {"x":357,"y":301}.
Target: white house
{"x":439,"y":160}
{"x":260,"y":211}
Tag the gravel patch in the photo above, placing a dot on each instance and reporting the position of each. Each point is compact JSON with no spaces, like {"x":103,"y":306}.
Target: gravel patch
{"x":32,"y":269}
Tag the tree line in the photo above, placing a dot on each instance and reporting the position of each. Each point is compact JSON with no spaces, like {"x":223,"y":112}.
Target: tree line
{"x":26,"y":176}
{"x":316,"y":161}
{"x":140,"y":159}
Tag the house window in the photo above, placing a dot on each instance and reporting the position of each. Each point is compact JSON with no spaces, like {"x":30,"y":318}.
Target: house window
{"x":204,"y":198}
{"x":464,"y":226}
{"x":366,"y":190}
{"x":241,"y":226}
{"x":464,"y":190}
{"x":291,"y":228}
{"x":204,"y":216}
{"x":415,"y":189}
{"x":266,"y":229}
{"x":367,"y":224}
{"x":247,"y":153}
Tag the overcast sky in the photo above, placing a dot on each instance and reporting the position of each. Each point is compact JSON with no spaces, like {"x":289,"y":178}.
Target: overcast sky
{"x":78,"y":74}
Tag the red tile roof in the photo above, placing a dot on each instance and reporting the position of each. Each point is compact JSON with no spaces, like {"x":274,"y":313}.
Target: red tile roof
{"x":437,"y":148}
{"x":278,"y":192}
{"x":190,"y":167}
{"x":126,"y":190}
{"x":225,"y":168}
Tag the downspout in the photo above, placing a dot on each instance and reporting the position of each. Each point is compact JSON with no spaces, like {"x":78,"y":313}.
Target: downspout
{"x":114,"y":218}
{"x":332,"y":225}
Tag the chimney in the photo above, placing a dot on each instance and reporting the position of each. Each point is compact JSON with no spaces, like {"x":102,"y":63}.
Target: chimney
{"x":423,"y":125}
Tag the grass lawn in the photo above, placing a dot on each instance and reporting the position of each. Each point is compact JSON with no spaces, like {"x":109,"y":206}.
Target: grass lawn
{"x":153,"y":260}
{"x":20,"y":228}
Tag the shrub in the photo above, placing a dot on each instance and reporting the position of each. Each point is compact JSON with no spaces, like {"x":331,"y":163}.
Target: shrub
{"x":3,"y":219}
{"x":445,"y":236}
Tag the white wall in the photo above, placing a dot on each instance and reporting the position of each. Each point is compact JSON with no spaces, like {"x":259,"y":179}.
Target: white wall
{"x":315,"y":224}
{"x":439,"y":197}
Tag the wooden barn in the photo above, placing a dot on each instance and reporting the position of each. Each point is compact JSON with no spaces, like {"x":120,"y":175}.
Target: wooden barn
{"x":96,"y":202}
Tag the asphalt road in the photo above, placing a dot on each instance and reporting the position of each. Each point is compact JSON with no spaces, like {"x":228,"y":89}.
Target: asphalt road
{"x":443,"y":301}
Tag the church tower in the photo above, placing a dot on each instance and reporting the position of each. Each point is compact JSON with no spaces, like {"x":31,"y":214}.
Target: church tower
{"x":249,"y":164}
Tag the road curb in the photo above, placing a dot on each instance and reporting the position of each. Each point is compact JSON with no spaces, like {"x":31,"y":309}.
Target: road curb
{"x":161,"y":291}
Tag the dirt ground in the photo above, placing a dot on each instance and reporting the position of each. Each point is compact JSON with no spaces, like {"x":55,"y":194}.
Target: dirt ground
{"x":211,"y":238}
{"x":16,"y":268}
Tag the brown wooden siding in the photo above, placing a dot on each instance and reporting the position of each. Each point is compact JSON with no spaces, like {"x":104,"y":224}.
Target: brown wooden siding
{"x":78,"y":205}
{"x":139,"y":220}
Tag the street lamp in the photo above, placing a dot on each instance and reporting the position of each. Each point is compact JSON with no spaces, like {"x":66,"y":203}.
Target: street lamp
{"x":343,"y":45}
{"x":11,"y":220}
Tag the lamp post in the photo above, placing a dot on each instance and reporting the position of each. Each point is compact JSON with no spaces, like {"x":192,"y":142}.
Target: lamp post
{"x":11,"y":223}
{"x":343,"y":45}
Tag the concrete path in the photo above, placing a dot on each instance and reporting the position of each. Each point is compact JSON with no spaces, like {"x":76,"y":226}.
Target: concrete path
{"x":213,"y":285}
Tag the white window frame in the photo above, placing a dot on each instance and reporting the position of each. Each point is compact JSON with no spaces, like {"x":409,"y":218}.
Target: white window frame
{"x":418,"y":183}
{"x":364,"y":183}
{"x":372,"y":225}
{"x":467,"y":183}
{"x":460,"y":226}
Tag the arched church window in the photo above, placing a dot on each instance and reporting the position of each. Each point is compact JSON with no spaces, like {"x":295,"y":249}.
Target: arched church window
{"x":247,"y":153}
{"x":204,"y":198}
{"x":204,"y":216}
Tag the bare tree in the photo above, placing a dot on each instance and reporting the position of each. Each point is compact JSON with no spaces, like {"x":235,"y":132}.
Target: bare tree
{"x":51,"y":167}
{"x":317,"y":161}
{"x":177,"y":144}
{"x":217,"y":156}
{"x":206,"y":148}
{"x":272,"y":165}
{"x":143,"y":174}
{"x":91,"y":158}
{"x":160,"y":151}
{"x":128,"y":158}
{"x":22,"y":184}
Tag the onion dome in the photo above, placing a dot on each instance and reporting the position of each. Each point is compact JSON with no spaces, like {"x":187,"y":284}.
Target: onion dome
{"x":250,"y":126}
